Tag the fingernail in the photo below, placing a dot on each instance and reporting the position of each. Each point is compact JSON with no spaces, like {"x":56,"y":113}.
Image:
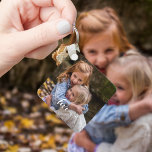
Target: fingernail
{"x":63,"y":27}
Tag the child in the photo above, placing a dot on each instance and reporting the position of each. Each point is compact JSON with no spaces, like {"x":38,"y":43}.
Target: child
{"x":131,"y":75}
{"x":79,"y":95}
{"x":77,"y":74}
{"x":102,"y":37}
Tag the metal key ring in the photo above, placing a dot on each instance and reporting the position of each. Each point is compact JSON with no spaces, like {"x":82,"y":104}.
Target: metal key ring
{"x":76,"y":32}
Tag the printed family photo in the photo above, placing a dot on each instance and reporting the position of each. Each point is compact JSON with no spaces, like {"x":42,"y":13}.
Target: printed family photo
{"x":76,"y":91}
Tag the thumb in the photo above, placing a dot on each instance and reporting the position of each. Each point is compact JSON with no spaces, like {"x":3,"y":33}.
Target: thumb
{"x":41,"y":35}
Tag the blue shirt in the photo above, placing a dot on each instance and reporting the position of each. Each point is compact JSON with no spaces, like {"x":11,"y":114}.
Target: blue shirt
{"x":101,"y":127}
{"x":58,"y":94}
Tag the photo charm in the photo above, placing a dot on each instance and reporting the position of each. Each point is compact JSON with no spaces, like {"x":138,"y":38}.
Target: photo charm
{"x":76,"y":90}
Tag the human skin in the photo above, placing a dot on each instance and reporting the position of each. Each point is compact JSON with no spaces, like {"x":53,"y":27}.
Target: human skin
{"x":77,"y":78}
{"x":32,"y":28}
{"x":123,"y":92}
{"x":71,"y":94}
{"x":122,"y":96}
{"x":136,"y":110}
{"x":101,"y":50}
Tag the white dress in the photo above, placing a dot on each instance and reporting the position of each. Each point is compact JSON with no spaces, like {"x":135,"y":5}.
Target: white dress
{"x":75,"y":121}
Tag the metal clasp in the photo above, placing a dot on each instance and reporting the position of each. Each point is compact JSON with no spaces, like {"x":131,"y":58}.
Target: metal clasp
{"x":73,"y":48}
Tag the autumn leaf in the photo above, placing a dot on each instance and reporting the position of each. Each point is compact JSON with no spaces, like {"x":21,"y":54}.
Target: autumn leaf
{"x":44,"y":105}
{"x":45,"y":85}
{"x":53,"y":118}
{"x":48,"y":79}
{"x":35,"y":108}
{"x":13,"y":148}
{"x":65,"y":145}
{"x":39,"y":92}
{"x":49,"y":144}
{"x":26,"y":123}
{"x":9,"y":124}
{"x":42,"y":137}
{"x":18,"y":117}
{"x":52,"y":142}
{"x":22,"y":138}
{"x":12,"y":110}
{"x":3,"y":100}
{"x":18,"y":125}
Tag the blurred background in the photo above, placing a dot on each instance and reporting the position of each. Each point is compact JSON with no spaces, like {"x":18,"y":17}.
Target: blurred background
{"x":136,"y":17}
{"x":26,"y":123}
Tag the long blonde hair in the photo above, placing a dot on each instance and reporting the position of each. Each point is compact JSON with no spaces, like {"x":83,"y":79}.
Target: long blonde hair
{"x":101,"y":20}
{"x":83,"y":95}
{"x":137,"y":71}
{"x":80,"y":66}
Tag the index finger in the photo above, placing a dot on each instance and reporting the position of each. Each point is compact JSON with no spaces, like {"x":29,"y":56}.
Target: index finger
{"x":67,"y":9}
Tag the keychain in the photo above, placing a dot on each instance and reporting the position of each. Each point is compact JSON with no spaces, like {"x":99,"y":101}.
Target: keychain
{"x":69,"y":50}
{"x":62,"y":53}
{"x":76,"y":90}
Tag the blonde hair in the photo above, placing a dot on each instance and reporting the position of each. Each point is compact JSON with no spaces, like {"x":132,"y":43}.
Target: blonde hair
{"x":137,"y":71}
{"x":80,"y":66}
{"x":101,"y":20}
{"x":83,"y":95}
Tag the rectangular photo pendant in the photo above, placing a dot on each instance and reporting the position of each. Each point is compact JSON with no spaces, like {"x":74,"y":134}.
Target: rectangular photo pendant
{"x":76,"y":90}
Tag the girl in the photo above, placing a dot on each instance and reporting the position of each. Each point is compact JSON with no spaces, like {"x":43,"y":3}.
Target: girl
{"x":78,"y":95}
{"x":102,"y":39}
{"x":77,"y":74}
{"x":131,"y":75}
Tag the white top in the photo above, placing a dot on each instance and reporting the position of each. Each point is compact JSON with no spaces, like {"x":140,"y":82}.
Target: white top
{"x":137,"y":137}
{"x":75,"y":121}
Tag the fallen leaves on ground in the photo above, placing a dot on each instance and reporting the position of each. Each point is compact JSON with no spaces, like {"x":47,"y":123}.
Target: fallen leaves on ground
{"x":27,"y":125}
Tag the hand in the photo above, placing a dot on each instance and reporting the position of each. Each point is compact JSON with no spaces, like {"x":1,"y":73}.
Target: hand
{"x":79,"y":109}
{"x":148,"y":101}
{"x":140,"y":108}
{"x":83,"y":140}
{"x":32,"y":28}
{"x":48,"y":100}
{"x":78,"y":136}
